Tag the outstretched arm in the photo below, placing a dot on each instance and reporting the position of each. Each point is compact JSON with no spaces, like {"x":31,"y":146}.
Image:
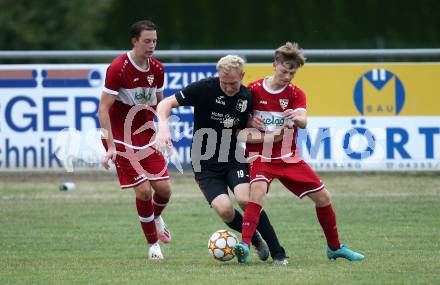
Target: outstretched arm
{"x":163,"y":137}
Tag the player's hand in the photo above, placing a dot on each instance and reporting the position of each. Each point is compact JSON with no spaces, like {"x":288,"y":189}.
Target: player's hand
{"x":257,"y":123}
{"x":290,"y":114}
{"x":291,"y":117}
{"x":163,"y":141}
{"x":110,"y":155}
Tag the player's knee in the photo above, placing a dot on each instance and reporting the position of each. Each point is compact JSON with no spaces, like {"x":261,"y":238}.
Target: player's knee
{"x":241,"y":193}
{"x":242,"y":198}
{"x":226,"y":213}
{"x":143,"y":195}
{"x":322,"y":198}
{"x":143,"y":192}
{"x":163,"y":189}
{"x":242,"y":202}
{"x":258,"y":192}
{"x":323,"y":202}
{"x":165,"y":194}
{"x":223,"y":206}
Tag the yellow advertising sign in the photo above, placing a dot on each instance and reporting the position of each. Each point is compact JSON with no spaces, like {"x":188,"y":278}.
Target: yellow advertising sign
{"x":361,"y":89}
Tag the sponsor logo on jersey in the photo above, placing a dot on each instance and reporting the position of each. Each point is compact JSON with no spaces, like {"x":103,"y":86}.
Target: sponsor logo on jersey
{"x":150,"y":79}
{"x":263,"y":102}
{"x":217,"y":116}
{"x":379,"y":92}
{"x":220,"y":100}
{"x":272,"y":120}
{"x":229,"y":121}
{"x":284,"y":103}
{"x":241,"y":105}
{"x":136,"y":79}
{"x":143,"y":94}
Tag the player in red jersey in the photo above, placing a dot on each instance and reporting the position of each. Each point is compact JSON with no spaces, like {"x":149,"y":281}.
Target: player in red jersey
{"x":133,"y":88}
{"x":279,"y":104}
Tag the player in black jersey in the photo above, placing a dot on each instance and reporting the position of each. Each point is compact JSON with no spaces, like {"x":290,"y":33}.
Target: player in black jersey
{"x":222,"y":107}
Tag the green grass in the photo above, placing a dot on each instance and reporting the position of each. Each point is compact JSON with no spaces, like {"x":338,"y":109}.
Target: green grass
{"x":92,"y":236}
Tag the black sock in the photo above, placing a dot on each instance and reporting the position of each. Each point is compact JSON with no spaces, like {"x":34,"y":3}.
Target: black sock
{"x":268,"y":233}
{"x":237,"y":223}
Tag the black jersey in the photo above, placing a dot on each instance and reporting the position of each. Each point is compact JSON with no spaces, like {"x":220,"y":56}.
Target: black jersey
{"x":215,"y":115}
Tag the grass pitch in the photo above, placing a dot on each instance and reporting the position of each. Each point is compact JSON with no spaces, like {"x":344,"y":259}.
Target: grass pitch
{"x":92,"y":236}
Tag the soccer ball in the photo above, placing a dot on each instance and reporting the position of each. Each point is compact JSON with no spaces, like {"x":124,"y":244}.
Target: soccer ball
{"x":221,"y":245}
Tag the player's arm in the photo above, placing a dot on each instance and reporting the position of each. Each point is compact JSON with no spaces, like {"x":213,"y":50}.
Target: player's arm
{"x":159,"y":96}
{"x":253,"y":136}
{"x":298,"y":116}
{"x":105,"y":103}
{"x":163,"y":137}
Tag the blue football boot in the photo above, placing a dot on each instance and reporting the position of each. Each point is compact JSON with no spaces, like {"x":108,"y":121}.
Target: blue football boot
{"x":241,"y":250}
{"x":344,"y":252}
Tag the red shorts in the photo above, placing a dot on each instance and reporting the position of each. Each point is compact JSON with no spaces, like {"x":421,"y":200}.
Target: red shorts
{"x":135,"y":166}
{"x":298,"y":177}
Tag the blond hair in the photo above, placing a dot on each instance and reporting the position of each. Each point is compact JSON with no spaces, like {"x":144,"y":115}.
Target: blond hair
{"x":290,"y":55}
{"x":229,"y":62}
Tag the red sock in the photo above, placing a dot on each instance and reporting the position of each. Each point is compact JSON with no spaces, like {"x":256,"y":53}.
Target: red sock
{"x":250,"y":222}
{"x":159,"y":203}
{"x":327,"y":219}
{"x":146,"y":216}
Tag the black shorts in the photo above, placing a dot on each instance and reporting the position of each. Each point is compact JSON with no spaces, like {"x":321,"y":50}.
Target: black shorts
{"x":215,"y":181}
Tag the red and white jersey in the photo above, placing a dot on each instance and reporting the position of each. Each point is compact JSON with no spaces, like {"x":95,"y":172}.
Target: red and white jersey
{"x":135,"y":90}
{"x":269,"y":105}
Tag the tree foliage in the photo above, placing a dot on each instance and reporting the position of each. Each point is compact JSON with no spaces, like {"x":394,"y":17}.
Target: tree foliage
{"x":47,"y":25}
{"x":199,"y":24}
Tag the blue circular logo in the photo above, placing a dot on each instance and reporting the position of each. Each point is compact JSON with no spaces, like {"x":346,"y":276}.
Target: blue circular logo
{"x":379,"y":92}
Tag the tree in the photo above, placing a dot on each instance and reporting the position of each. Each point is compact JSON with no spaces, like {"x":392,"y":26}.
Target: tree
{"x":48,"y":25}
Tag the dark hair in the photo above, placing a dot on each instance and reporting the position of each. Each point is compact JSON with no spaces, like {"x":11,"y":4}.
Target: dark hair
{"x":144,"y":25}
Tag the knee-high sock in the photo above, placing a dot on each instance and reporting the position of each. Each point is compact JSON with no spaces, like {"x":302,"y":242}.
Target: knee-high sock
{"x":159,"y":203}
{"x":236,"y":224}
{"x":146,"y":217}
{"x":268,"y":233}
{"x":250,"y":221}
{"x":327,"y":219}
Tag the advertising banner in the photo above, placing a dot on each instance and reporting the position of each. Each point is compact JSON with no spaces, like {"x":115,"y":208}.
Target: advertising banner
{"x":361,"y":116}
